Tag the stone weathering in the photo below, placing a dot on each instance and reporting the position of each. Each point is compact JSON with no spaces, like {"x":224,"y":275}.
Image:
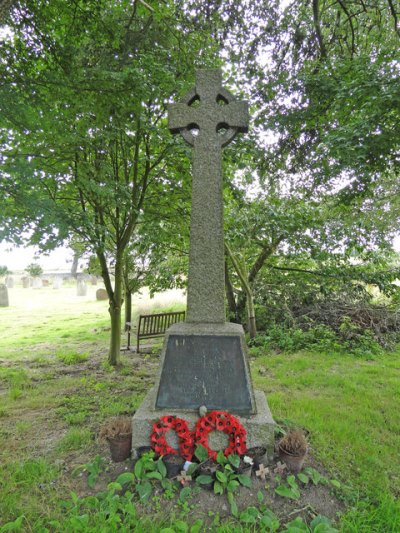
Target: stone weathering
{"x":204,"y":360}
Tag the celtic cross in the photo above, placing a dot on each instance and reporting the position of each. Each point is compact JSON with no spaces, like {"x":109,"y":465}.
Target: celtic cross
{"x":208,"y":118}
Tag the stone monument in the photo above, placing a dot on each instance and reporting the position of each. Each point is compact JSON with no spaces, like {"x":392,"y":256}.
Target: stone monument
{"x":204,"y":360}
{"x":3,"y":295}
{"x":81,"y":287}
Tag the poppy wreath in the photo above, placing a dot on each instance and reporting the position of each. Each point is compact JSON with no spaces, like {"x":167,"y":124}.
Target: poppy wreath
{"x":159,"y":442}
{"x":221,"y":421}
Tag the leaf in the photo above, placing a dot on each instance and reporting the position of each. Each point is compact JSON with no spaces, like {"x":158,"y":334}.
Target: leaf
{"x":204,"y":479}
{"x":315,"y":476}
{"x":218,"y":488}
{"x":201,"y":453}
{"x":234,"y":460}
{"x":296,"y":526}
{"x":196,"y":527}
{"x":162,"y":468}
{"x":138,"y":469}
{"x":126,"y":477}
{"x":260,"y":496}
{"x":153,"y":475}
{"x":303,"y":478}
{"x":244,"y":480}
{"x":249,"y":515}
{"x":221,"y":477}
{"x":287,"y":492}
{"x":335,"y":483}
{"x":221,"y":459}
{"x":144,"y":490}
{"x":185,"y":494}
{"x":270,"y":521}
{"x":181,"y":526}
{"x":321,"y":524}
{"x":232,"y":485}
{"x":234,"y":508}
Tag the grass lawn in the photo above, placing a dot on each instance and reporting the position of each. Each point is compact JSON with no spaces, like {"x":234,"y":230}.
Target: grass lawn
{"x":56,"y":390}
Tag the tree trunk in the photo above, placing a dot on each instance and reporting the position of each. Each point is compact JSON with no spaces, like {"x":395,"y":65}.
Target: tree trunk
{"x":74,"y":267}
{"x":243,"y":276}
{"x":128,"y":307}
{"x":115,"y":314}
{"x":232,"y":311}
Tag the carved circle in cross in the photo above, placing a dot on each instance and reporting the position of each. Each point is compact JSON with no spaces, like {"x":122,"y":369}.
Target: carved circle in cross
{"x":226,"y":133}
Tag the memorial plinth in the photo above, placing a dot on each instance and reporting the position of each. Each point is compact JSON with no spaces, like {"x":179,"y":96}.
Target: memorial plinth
{"x":204,"y":360}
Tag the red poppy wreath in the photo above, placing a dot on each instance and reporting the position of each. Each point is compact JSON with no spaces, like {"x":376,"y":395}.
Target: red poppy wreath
{"x":159,"y":442}
{"x":221,"y":421}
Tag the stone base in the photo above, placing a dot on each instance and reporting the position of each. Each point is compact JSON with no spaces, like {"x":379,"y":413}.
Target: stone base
{"x":260,"y":427}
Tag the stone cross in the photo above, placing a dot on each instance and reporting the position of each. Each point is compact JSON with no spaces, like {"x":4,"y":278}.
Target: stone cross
{"x":208,"y":118}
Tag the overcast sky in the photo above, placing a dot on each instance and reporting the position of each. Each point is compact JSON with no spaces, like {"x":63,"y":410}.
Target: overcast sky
{"x":17,"y":259}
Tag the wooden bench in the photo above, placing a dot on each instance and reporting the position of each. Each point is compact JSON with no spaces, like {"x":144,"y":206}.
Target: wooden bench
{"x":156,"y":325}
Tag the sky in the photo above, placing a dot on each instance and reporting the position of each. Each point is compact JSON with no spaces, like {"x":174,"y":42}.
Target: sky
{"x":17,"y":259}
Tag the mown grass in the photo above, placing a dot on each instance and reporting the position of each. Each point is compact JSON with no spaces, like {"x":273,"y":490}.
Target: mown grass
{"x":56,"y":390}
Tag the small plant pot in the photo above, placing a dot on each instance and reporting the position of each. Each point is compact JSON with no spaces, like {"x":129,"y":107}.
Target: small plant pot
{"x":141,"y":450}
{"x":259,"y":456}
{"x":120,"y":447}
{"x":207,"y":468}
{"x":244,"y":468}
{"x":173,"y":464}
{"x":294,"y":463}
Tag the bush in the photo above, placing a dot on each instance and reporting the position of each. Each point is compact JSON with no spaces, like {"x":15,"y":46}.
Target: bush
{"x":320,"y":337}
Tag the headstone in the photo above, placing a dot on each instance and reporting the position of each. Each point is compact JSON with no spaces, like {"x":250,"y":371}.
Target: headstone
{"x":93,"y":280}
{"x":101,"y":294}
{"x":36,"y":283}
{"x":57,"y":283}
{"x":45,"y":283}
{"x":26,"y":282}
{"x":3,"y":295}
{"x":204,"y":360}
{"x":81,"y":287}
{"x":10,"y":282}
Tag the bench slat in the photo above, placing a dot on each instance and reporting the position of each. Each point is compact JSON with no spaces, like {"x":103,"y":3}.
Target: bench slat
{"x":156,"y":325}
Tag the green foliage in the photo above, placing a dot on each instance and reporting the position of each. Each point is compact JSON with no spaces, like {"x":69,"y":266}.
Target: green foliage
{"x":34,"y":270}
{"x":72,"y":358}
{"x":290,"y":489}
{"x":349,"y":339}
{"x":4,"y":271}
{"x":75,"y":439}
{"x":93,"y":469}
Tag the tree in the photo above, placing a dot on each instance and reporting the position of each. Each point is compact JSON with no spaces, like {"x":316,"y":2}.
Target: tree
{"x":85,"y":147}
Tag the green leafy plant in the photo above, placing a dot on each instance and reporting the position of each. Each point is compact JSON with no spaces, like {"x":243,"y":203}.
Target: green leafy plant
{"x":290,"y":489}
{"x":34,"y":270}
{"x":320,"y":524}
{"x":93,"y":469}
{"x":226,"y":479}
{"x":72,"y":358}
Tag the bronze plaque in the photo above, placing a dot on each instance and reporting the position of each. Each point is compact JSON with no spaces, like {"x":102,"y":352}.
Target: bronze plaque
{"x":204,"y":370}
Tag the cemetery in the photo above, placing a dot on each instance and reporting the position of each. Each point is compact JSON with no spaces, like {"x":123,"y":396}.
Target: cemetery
{"x":224,"y":354}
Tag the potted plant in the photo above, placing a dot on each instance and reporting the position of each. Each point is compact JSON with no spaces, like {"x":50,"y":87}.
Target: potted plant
{"x":118,"y":433}
{"x":258,"y":454}
{"x":292,"y":449}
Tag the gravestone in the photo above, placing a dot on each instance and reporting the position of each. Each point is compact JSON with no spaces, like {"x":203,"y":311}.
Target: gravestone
{"x":101,"y":294}
{"x":3,"y":295}
{"x":57,"y":283}
{"x":36,"y":283}
{"x":204,"y":360}
{"x":46,"y":283}
{"x":81,"y":287}
{"x":26,"y":282}
{"x":10,"y":282}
